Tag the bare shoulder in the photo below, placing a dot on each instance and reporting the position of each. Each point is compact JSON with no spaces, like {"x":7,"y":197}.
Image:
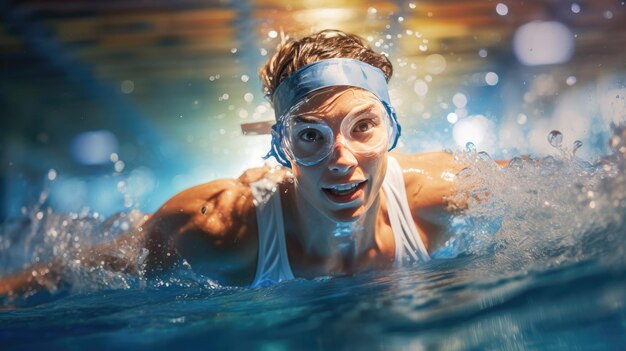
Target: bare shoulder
{"x":212,"y":225}
{"x":430,"y":180}
{"x":429,"y":177}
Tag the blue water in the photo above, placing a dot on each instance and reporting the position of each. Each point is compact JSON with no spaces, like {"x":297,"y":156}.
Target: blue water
{"x":541,"y":265}
{"x":440,"y":305}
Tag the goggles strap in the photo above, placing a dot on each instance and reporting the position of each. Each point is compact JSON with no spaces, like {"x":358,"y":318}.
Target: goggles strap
{"x":276,"y":150}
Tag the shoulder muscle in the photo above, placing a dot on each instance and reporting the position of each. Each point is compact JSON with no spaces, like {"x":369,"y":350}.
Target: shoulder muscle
{"x":220,"y":210}
{"x":429,"y":177}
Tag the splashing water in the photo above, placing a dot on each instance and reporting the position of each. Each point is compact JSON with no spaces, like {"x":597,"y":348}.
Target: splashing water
{"x":532,"y":214}
{"x":535,"y":260}
{"x":66,"y":240}
{"x":539,"y":213}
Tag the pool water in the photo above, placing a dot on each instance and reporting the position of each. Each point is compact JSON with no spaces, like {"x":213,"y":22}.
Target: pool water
{"x":536,"y":262}
{"x":450,"y":304}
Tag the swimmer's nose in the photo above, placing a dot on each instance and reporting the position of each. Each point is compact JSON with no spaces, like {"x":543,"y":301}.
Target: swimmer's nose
{"x":342,"y":160}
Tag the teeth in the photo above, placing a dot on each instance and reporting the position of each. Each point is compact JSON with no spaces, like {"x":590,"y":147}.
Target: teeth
{"x":344,"y":187}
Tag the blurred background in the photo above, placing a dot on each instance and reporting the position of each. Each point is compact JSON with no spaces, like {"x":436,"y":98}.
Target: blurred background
{"x":111,"y":105}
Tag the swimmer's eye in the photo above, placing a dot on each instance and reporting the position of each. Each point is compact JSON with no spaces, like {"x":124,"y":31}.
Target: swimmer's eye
{"x":364,"y":126}
{"x":310,"y":135}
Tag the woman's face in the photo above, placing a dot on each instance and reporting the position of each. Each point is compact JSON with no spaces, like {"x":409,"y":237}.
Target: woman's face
{"x":344,"y":184}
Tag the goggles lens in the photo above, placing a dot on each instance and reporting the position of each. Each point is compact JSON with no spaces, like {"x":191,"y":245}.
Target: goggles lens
{"x":310,"y":136}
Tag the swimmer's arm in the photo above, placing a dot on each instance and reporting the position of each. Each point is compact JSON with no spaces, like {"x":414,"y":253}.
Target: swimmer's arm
{"x":199,"y":220}
{"x":213,"y":222}
{"x":32,"y":279}
{"x":432,"y":191}
{"x":429,"y":181}
{"x":430,"y":178}
{"x":199,"y":224}
{"x":116,"y":256}
{"x":212,"y":226}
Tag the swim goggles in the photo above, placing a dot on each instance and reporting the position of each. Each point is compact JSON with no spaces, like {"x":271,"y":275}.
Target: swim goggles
{"x":301,"y":135}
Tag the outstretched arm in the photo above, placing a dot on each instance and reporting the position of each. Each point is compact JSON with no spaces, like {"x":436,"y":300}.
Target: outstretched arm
{"x":120,"y":255}
{"x":212,"y":226}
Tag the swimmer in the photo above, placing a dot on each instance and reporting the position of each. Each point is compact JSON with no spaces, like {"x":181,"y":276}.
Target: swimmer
{"x":340,"y":202}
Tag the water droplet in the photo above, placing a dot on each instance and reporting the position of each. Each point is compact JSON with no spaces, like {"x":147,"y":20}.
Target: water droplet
{"x":127,"y":86}
{"x":248,"y":97}
{"x":470,"y":147}
{"x":491,"y":78}
{"x":502,"y":9}
{"x":483,"y":155}
{"x":555,"y":138}
{"x":52,"y":174}
{"x":420,"y":87}
{"x":577,"y":145}
{"x":452,"y":117}
{"x":143,"y":254}
{"x":459,"y":100}
{"x":119,"y":166}
{"x":516,"y":163}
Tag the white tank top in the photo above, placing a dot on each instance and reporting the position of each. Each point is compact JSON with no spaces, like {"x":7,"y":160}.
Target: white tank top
{"x":273,"y":262}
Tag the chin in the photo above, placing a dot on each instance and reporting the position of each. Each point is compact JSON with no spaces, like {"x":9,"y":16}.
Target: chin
{"x":346,"y":215}
{"x":347,"y":212}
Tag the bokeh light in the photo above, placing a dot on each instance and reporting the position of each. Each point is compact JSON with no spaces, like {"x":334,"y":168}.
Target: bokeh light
{"x":543,"y":43}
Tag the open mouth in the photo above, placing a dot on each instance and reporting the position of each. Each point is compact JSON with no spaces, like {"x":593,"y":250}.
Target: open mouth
{"x":344,"y":192}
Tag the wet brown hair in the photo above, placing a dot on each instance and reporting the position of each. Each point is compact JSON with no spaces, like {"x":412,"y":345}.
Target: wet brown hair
{"x":293,"y":54}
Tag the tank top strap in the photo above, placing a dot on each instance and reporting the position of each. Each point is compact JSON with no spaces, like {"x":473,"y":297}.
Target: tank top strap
{"x":409,"y":245}
{"x":272,"y":262}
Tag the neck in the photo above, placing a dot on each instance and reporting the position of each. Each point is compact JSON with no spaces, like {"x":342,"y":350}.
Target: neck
{"x":338,"y":243}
